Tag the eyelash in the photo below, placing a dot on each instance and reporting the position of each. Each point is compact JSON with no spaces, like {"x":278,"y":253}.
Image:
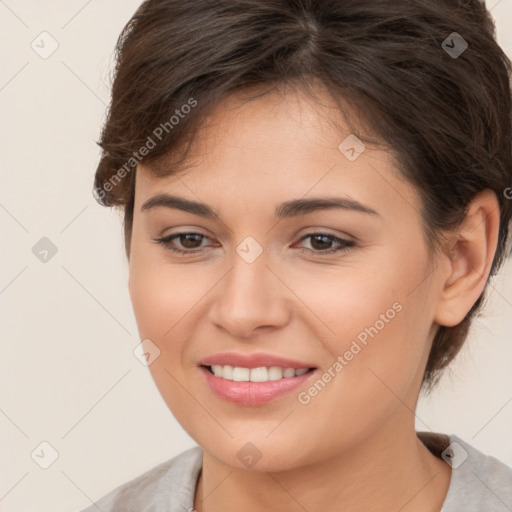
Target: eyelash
{"x":345,"y":244}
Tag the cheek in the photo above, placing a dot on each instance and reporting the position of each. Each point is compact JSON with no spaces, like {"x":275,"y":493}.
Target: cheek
{"x":376,"y":370}
{"x":161,"y":297}
{"x":162,"y":294}
{"x":160,"y":300}
{"x":149,"y":292}
{"x":378,"y":320}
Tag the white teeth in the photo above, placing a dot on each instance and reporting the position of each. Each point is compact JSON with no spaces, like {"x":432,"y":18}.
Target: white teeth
{"x":289,"y":372}
{"x":275,"y":373}
{"x":227,"y":372}
{"x":217,"y":370}
{"x":240,"y":374}
{"x":261,"y":374}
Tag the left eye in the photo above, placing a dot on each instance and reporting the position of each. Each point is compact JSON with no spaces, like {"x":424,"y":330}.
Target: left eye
{"x":189,"y":241}
{"x":326,"y":238}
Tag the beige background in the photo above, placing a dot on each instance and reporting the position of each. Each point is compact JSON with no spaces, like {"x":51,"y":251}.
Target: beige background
{"x":68,"y":375}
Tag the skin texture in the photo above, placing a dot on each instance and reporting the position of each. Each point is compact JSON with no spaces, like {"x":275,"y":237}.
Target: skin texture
{"x":354,"y":445}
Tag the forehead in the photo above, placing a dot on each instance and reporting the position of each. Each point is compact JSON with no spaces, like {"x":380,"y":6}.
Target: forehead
{"x":283,"y":144}
{"x":284,"y":119}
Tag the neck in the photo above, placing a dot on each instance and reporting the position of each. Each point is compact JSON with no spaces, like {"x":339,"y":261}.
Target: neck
{"x":392,"y":470}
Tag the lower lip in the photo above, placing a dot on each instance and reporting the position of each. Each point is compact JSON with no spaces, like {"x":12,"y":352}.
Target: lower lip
{"x":252,"y":393}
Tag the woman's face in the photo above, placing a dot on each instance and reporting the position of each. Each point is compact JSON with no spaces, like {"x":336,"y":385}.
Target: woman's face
{"x":348,"y":291}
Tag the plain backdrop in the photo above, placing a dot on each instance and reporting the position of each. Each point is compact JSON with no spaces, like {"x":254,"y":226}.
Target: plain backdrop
{"x":68,"y":374}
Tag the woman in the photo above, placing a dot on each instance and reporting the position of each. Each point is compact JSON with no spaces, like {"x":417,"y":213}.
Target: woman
{"x":315,"y":195}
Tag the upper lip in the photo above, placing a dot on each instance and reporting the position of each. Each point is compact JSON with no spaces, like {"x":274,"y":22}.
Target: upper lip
{"x":252,"y":361}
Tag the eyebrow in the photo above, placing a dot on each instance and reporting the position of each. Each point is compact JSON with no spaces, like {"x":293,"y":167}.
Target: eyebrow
{"x":287,"y":209}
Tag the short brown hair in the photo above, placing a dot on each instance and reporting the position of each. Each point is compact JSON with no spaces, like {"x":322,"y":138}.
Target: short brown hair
{"x":445,"y":114}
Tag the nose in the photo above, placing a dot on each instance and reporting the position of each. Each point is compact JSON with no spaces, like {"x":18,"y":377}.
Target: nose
{"x":250,"y":298}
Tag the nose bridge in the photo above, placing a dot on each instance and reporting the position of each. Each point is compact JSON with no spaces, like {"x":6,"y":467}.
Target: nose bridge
{"x":250,"y":295}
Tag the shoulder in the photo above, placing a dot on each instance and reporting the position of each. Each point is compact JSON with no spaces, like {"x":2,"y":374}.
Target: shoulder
{"x":168,"y":487}
{"x":479,"y":481}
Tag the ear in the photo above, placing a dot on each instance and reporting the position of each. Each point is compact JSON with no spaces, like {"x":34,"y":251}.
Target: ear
{"x":468,"y":256}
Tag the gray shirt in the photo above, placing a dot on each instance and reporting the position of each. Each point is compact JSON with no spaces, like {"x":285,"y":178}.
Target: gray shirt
{"x":479,"y":482}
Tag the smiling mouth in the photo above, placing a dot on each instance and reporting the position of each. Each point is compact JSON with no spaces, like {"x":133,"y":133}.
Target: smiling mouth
{"x":261,"y":374}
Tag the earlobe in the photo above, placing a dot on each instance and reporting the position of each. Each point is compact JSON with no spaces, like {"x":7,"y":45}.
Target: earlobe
{"x":469,"y":254}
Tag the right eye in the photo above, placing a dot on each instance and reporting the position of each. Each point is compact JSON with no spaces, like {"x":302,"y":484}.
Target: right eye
{"x":186,"y":239}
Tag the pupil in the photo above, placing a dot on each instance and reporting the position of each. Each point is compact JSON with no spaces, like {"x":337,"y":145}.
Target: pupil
{"x":326,"y":241}
{"x":189,"y":238}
